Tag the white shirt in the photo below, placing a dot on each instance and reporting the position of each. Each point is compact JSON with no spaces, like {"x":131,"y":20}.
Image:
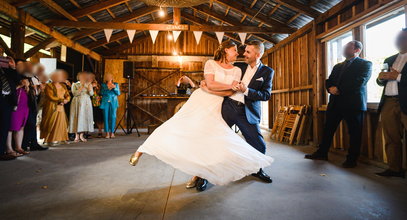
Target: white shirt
{"x":392,"y":85}
{"x":247,"y":77}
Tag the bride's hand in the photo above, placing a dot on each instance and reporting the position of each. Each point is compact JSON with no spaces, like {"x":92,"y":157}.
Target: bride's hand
{"x":202,"y":84}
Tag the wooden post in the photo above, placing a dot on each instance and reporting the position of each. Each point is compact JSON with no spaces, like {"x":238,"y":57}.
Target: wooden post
{"x":17,"y":30}
{"x":177,"y":16}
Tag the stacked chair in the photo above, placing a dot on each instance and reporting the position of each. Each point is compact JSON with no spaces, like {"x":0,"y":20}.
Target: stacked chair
{"x":292,"y":124}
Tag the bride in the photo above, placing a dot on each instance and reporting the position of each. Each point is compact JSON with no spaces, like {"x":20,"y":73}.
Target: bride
{"x":196,"y":140}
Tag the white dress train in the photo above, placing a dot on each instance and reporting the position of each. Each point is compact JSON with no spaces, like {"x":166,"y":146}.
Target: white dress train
{"x":197,"y":141}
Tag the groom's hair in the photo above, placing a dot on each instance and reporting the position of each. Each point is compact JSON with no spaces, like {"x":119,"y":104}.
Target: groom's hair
{"x":258,"y":45}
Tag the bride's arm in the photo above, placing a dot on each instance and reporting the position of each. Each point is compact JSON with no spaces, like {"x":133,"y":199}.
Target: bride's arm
{"x":204,"y":86}
{"x":216,"y":86}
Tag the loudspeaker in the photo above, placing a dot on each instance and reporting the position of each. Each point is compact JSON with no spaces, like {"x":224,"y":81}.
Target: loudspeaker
{"x":128,"y":69}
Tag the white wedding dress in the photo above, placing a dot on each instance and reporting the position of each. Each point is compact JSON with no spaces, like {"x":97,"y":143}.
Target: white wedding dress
{"x":197,"y":141}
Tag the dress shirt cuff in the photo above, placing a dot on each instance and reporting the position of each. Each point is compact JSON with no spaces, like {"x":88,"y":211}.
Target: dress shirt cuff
{"x":246,"y":93}
{"x":399,"y":77}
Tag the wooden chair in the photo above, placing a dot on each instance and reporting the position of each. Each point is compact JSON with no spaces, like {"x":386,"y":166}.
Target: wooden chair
{"x":278,"y":123}
{"x":305,"y":126}
{"x":290,"y":125}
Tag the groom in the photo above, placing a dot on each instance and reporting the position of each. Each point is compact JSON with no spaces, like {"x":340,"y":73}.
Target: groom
{"x":243,"y":108}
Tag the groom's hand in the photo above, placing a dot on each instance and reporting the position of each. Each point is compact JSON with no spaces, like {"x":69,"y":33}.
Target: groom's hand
{"x":242,"y":87}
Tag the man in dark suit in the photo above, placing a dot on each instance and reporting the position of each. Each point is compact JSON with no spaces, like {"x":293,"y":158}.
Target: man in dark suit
{"x":243,"y":109}
{"x":393,"y":106}
{"x":348,"y":100}
{"x":8,"y":100}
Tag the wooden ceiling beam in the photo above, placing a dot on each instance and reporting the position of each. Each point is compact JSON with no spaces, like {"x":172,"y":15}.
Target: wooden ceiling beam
{"x":6,"y":49}
{"x":38,"y":47}
{"x":58,"y":9}
{"x":253,"y":3}
{"x":13,"y":13}
{"x":127,"y":18}
{"x":160,"y":27}
{"x":293,"y":18}
{"x":120,"y":35}
{"x":177,"y":16}
{"x":296,"y":6}
{"x":274,"y":9}
{"x":207,"y":11}
{"x":22,"y":3}
{"x":236,"y":5}
{"x":96,"y":7}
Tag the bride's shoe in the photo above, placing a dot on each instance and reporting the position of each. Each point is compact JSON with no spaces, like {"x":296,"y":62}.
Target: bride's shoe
{"x":134,"y":159}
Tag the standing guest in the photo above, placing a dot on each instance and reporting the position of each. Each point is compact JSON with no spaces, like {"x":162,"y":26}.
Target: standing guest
{"x":43,"y":80}
{"x":68,"y":83}
{"x":81,"y":114}
{"x":393,"y":107}
{"x":54,"y":124}
{"x":184,"y":85}
{"x":110,"y":90}
{"x":20,"y":66}
{"x":8,"y":100}
{"x":348,"y":100}
{"x":18,"y":120}
{"x":30,"y":129}
{"x":96,"y":99}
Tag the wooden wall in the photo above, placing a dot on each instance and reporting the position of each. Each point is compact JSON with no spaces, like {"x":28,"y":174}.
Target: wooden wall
{"x":300,"y":65}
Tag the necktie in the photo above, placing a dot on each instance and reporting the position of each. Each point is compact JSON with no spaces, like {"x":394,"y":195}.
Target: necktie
{"x":5,"y":85}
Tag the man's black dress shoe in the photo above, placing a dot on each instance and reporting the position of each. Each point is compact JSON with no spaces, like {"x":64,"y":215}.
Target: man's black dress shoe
{"x":316,"y":156}
{"x":263,"y":176}
{"x":38,"y":147}
{"x":201,"y":184}
{"x":349,"y":164}
{"x":390,"y":173}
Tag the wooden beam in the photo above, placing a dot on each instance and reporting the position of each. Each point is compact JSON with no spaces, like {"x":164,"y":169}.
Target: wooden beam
{"x":274,"y":9}
{"x":236,"y":5}
{"x":305,"y":9}
{"x":6,"y":49}
{"x":12,"y":12}
{"x":161,"y":27}
{"x":55,"y":7}
{"x":17,"y":31}
{"x":38,"y":47}
{"x":253,"y":3}
{"x":293,"y":18}
{"x":119,"y":36}
{"x":127,"y":18}
{"x":341,"y":6}
{"x":23,"y":2}
{"x":206,"y":10}
{"x":177,"y":16}
{"x":96,"y":7}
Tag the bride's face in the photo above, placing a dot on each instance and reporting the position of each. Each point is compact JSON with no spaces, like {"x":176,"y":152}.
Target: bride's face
{"x":231,"y":54}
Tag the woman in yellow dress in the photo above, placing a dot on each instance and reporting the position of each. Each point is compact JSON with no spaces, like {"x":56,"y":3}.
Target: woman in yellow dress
{"x":54,"y":124}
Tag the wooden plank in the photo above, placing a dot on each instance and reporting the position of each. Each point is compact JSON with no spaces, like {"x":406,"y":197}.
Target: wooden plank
{"x":17,"y":31}
{"x":96,"y":7}
{"x":296,"y":6}
{"x":6,"y":49}
{"x":30,"y":21}
{"x":177,"y":16}
{"x":38,"y":47}
{"x":299,"y":88}
{"x":241,"y":8}
{"x":55,"y":7}
{"x":127,"y":18}
{"x":160,"y":27}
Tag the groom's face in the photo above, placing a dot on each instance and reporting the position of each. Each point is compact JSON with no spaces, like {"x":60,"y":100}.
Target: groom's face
{"x":250,"y":54}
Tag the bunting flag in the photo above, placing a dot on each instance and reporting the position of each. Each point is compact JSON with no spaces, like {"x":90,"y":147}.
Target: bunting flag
{"x":131,"y":34}
{"x":197,"y":35}
{"x":108,"y":34}
{"x":153,"y":35}
{"x":242,"y":37}
{"x":219,"y":35}
{"x":175,"y":35}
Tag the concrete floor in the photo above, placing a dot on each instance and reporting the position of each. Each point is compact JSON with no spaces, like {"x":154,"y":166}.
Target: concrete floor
{"x":94,"y":181}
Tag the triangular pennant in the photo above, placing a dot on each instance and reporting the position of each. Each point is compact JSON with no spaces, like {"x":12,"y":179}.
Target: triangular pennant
{"x":175,"y":35}
{"x":108,"y":34}
{"x":197,"y":35}
{"x":153,"y":35}
{"x":219,"y":35}
{"x":242,"y":37}
{"x":131,"y":34}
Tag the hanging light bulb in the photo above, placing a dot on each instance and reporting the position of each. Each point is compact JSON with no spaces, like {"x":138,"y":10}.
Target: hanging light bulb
{"x":161,"y":12}
{"x":174,"y":52}
{"x":169,"y":36}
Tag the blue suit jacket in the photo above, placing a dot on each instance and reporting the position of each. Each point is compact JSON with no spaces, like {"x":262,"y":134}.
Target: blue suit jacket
{"x":259,"y":90}
{"x":109,"y":96}
{"x":352,"y":85}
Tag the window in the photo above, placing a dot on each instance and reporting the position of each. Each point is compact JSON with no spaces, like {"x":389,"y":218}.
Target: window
{"x":379,"y":44}
{"x":26,"y":46}
{"x":264,"y":114}
{"x":335,"y":47}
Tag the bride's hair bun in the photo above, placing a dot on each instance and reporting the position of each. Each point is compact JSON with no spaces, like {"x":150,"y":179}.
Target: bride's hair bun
{"x":220,"y":53}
